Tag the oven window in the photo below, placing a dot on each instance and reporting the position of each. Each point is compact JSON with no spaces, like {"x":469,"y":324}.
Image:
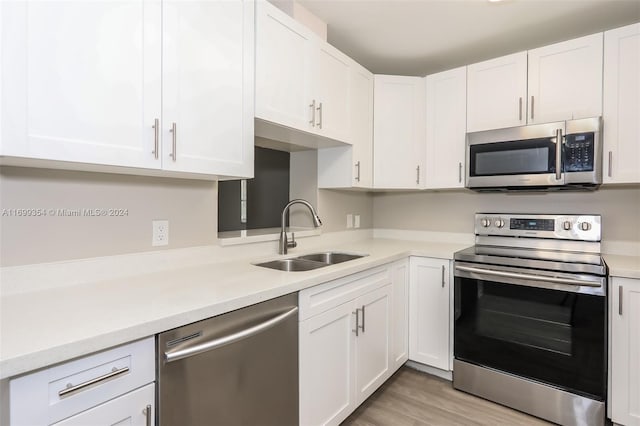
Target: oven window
{"x":513,"y":158}
{"x":551,"y":336}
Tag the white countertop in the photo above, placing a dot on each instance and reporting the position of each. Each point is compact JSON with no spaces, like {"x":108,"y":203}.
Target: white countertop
{"x":49,"y":325}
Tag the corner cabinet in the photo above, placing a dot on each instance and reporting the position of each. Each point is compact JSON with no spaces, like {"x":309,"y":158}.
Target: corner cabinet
{"x":624,"y":392}
{"x":621,"y":106}
{"x":302,"y":82}
{"x":352,"y":166}
{"x":446,"y":94}
{"x":399,"y":132}
{"x":108,"y":88}
{"x":429,"y":308}
{"x":562,"y":81}
{"x":347,"y":327}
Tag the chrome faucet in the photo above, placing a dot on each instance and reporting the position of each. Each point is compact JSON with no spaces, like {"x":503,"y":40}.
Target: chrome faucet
{"x":284,"y":242}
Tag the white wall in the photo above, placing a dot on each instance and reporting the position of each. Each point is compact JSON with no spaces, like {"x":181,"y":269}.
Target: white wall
{"x":453,"y":211}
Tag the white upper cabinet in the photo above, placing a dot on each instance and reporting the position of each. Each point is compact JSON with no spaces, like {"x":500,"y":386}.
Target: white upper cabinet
{"x":621,"y":106}
{"x":137,"y":84}
{"x":283,"y":69}
{"x":446,"y":128}
{"x":81,"y":81}
{"x":562,"y":81}
{"x":208,"y":87}
{"x":302,"y":82}
{"x":497,"y":93}
{"x":352,"y":166}
{"x":565,"y":80}
{"x":399,"y":132}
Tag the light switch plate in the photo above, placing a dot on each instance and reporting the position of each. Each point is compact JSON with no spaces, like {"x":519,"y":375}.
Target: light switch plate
{"x":349,"y":220}
{"x":356,"y":221}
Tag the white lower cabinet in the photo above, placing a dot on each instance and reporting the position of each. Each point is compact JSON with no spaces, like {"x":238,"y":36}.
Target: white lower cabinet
{"x":624,"y":342}
{"x":115,"y":386}
{"x":429,"y":325}
{"x":346,"y":336}
{"x":400,"y":314}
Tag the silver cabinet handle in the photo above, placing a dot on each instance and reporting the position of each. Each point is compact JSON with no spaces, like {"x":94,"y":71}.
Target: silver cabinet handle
{"x":460,"y":172}
{"x":171,"y":356}
{"x":156,"y":137}
{"x":442,"y":276}
{"x":620,"y":293}
{"x":610,"y":162}
{"x":174,"y":139}
{"x":532,"y":101}
{"x":418,"y":175}
{"x":358,"y":171}
{"x":363,"y":306}
{"x":357,"y":321}
{"x":319,"y":115}
{"x":312,"y":105}
{"x":520,"y":108}
{"x":528,"y":276}
{"x":147,"y":413}
{"x":558,"y":154}
{"x":75,"y":388}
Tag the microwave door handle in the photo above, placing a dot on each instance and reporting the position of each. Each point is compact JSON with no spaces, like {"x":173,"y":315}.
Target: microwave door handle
{"x":558,"y":154}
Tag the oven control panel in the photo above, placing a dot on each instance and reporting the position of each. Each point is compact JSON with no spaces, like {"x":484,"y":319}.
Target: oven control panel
{"x":565,"y":227}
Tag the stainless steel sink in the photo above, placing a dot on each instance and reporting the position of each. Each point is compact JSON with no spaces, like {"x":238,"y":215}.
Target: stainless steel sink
{"x":292,"y":265}
{"x":331,"y":258}
{"x":309,"y":261}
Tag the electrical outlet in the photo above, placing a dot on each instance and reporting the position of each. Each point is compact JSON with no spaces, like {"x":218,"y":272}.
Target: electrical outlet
{"x":356,"y":221}
{"x":349,"y":220}
{"x":160,"y":235}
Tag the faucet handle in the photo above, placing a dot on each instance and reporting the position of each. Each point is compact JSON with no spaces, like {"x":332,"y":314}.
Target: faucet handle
{"x":293,"y":243}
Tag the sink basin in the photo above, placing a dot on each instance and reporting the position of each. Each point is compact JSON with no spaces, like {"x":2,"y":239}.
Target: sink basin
{"x":309,"y":261}
{"x":292,"y":265}
{"x":331,"y":258}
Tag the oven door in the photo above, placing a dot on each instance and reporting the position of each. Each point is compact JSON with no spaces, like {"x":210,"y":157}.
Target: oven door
{"x":545,"y":326}
{"x":516,"y":157}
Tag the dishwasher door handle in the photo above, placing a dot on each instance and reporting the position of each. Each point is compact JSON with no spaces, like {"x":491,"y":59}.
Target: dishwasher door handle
{"x":171,"y":356}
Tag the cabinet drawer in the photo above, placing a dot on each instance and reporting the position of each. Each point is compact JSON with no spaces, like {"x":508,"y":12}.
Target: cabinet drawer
{"x":130,"y":409}
{"x":318,"y":299}
{"x":55,"y":393}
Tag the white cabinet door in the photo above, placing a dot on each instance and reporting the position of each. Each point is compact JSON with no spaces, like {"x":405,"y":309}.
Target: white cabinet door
{"x":446,"y":128}
{"x":621,"y":106}
{"x":131,"y":409}
{"x":361,"y":105}
{"x":208,"y":87}
{"x":625,"y":351}
{"x":331,"y":92}
{"x":429,"y":312}
{"x":398,"y":132}
{"x":400,"y":314}
{"x":352,"y":166}
{"x":327,"y":359}
{"x":497,"y":93}
{"x":373,"y":341}
{"x":565,"y":80}
{"x":283,"y":69}
{"x":81,"y":81}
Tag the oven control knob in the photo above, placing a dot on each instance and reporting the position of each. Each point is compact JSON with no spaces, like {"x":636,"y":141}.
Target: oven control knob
{"x":499,"y":223}
{"x":566,"y":225}
{"x":585,"y":226}
{"x":485,"y":222}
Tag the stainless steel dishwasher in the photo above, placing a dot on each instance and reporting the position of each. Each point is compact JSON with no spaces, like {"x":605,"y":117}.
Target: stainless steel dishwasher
{"x":240,"y":368}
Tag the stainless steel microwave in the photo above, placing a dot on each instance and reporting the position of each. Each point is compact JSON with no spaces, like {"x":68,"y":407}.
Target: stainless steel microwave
{"x":560,"y":155}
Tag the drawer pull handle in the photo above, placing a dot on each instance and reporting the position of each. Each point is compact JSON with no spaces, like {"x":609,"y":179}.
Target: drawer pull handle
{"x":71,"y":388}
{"x":147,"y":413}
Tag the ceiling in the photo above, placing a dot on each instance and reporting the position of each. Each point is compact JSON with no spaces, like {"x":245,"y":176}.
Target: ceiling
{"x":420,"y":37}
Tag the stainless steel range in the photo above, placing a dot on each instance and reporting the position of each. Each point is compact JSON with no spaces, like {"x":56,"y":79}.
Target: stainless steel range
{"x":531,"y":316}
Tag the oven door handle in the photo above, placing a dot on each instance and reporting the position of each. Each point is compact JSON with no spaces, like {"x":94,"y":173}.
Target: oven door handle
{"x":531,"y":277}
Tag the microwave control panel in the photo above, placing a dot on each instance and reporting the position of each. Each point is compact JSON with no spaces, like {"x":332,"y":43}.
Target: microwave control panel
{"x":579,"y":152}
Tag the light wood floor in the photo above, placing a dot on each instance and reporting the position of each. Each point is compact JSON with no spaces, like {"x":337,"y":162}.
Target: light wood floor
{"x":413,"y":398}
